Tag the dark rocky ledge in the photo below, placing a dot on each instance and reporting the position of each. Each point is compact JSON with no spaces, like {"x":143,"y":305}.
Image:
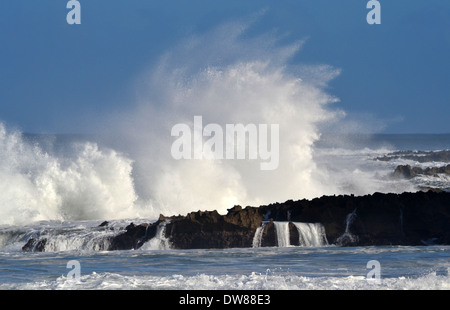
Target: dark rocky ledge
{"x":419,"y":156}
{"x":420,"y":218}
{"x":408,"y":172}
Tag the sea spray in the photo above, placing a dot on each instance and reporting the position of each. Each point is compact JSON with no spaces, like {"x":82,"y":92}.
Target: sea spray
{"x":348,"y":237}
{"x":85,"y":183}
{"x":220,"y":76}
{"x":226,"y":79}
{"x":58,"y":236}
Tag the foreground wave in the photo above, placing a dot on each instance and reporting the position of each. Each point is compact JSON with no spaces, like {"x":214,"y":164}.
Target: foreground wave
{"x":252,"y":281}
{"x":266,"y":268}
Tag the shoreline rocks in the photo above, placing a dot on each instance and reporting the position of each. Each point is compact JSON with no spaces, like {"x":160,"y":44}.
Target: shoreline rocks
{"x":409,"y":219}
{"x":380,"y":219}
{"x":418,"y":156}
{"x":408,"y":172}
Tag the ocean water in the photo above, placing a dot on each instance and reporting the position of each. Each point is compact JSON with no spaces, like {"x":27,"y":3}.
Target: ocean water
{"x":44,"y":193}
{"x":291,"y":268}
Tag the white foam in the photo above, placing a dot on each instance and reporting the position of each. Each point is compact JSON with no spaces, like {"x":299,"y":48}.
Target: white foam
{"x":86,"y":183}
{"x":60,"y":236}
{"x":160,"y":241}
{"x":228,"y":80}
{"x":252,"y":281}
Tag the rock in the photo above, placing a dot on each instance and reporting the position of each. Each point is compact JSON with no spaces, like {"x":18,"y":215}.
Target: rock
{"x":209,"y":229}
{"x":435,"y":170}
{"x":404,"y":171}
{"x":408,"y":172}
{"x":131,"y":238}
{"x":35,"y":245}
{"x":433,"y":189}
{"x":378,"y":219}
{"x":103,"y":224}
{"x":269,"y":237}
{"x":419,"y":156}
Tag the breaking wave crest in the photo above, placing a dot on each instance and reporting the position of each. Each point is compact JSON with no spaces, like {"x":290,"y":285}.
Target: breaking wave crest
{"x":225,"y":76}
{"x":253,"y":281}
{"x":85,"y":183}
{"x":228,"y":78}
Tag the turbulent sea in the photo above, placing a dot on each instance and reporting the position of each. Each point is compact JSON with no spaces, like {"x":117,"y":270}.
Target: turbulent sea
{"x":75,"y":255}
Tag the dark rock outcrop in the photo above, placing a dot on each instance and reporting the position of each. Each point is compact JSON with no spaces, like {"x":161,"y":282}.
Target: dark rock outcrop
{"x":209,"y":229}
{"x":379,"y":219}
{"x":419,"y":218}
{"x":104,"y":224}
{"x":408,"y":172}
{"x":419,"y":156}
{"x":132,"y":238}
{"x":35,"y":245}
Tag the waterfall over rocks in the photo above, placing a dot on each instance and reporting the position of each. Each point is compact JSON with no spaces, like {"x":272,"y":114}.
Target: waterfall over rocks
{"x":283,"y":236}
{"x":309,"y":234}
{"x":257,"y":239}
{"x":380,"y":219}
{"x":159,"y":241}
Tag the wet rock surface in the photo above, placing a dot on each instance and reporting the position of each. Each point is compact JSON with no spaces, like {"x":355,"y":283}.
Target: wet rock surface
{"x":379,"y":219}
{"x":420,"y":218}
{"x":418,"y":156}
{"x":408,"y":172}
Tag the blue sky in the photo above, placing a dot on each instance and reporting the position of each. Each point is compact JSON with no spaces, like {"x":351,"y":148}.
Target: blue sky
{"x":55,"y":77}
